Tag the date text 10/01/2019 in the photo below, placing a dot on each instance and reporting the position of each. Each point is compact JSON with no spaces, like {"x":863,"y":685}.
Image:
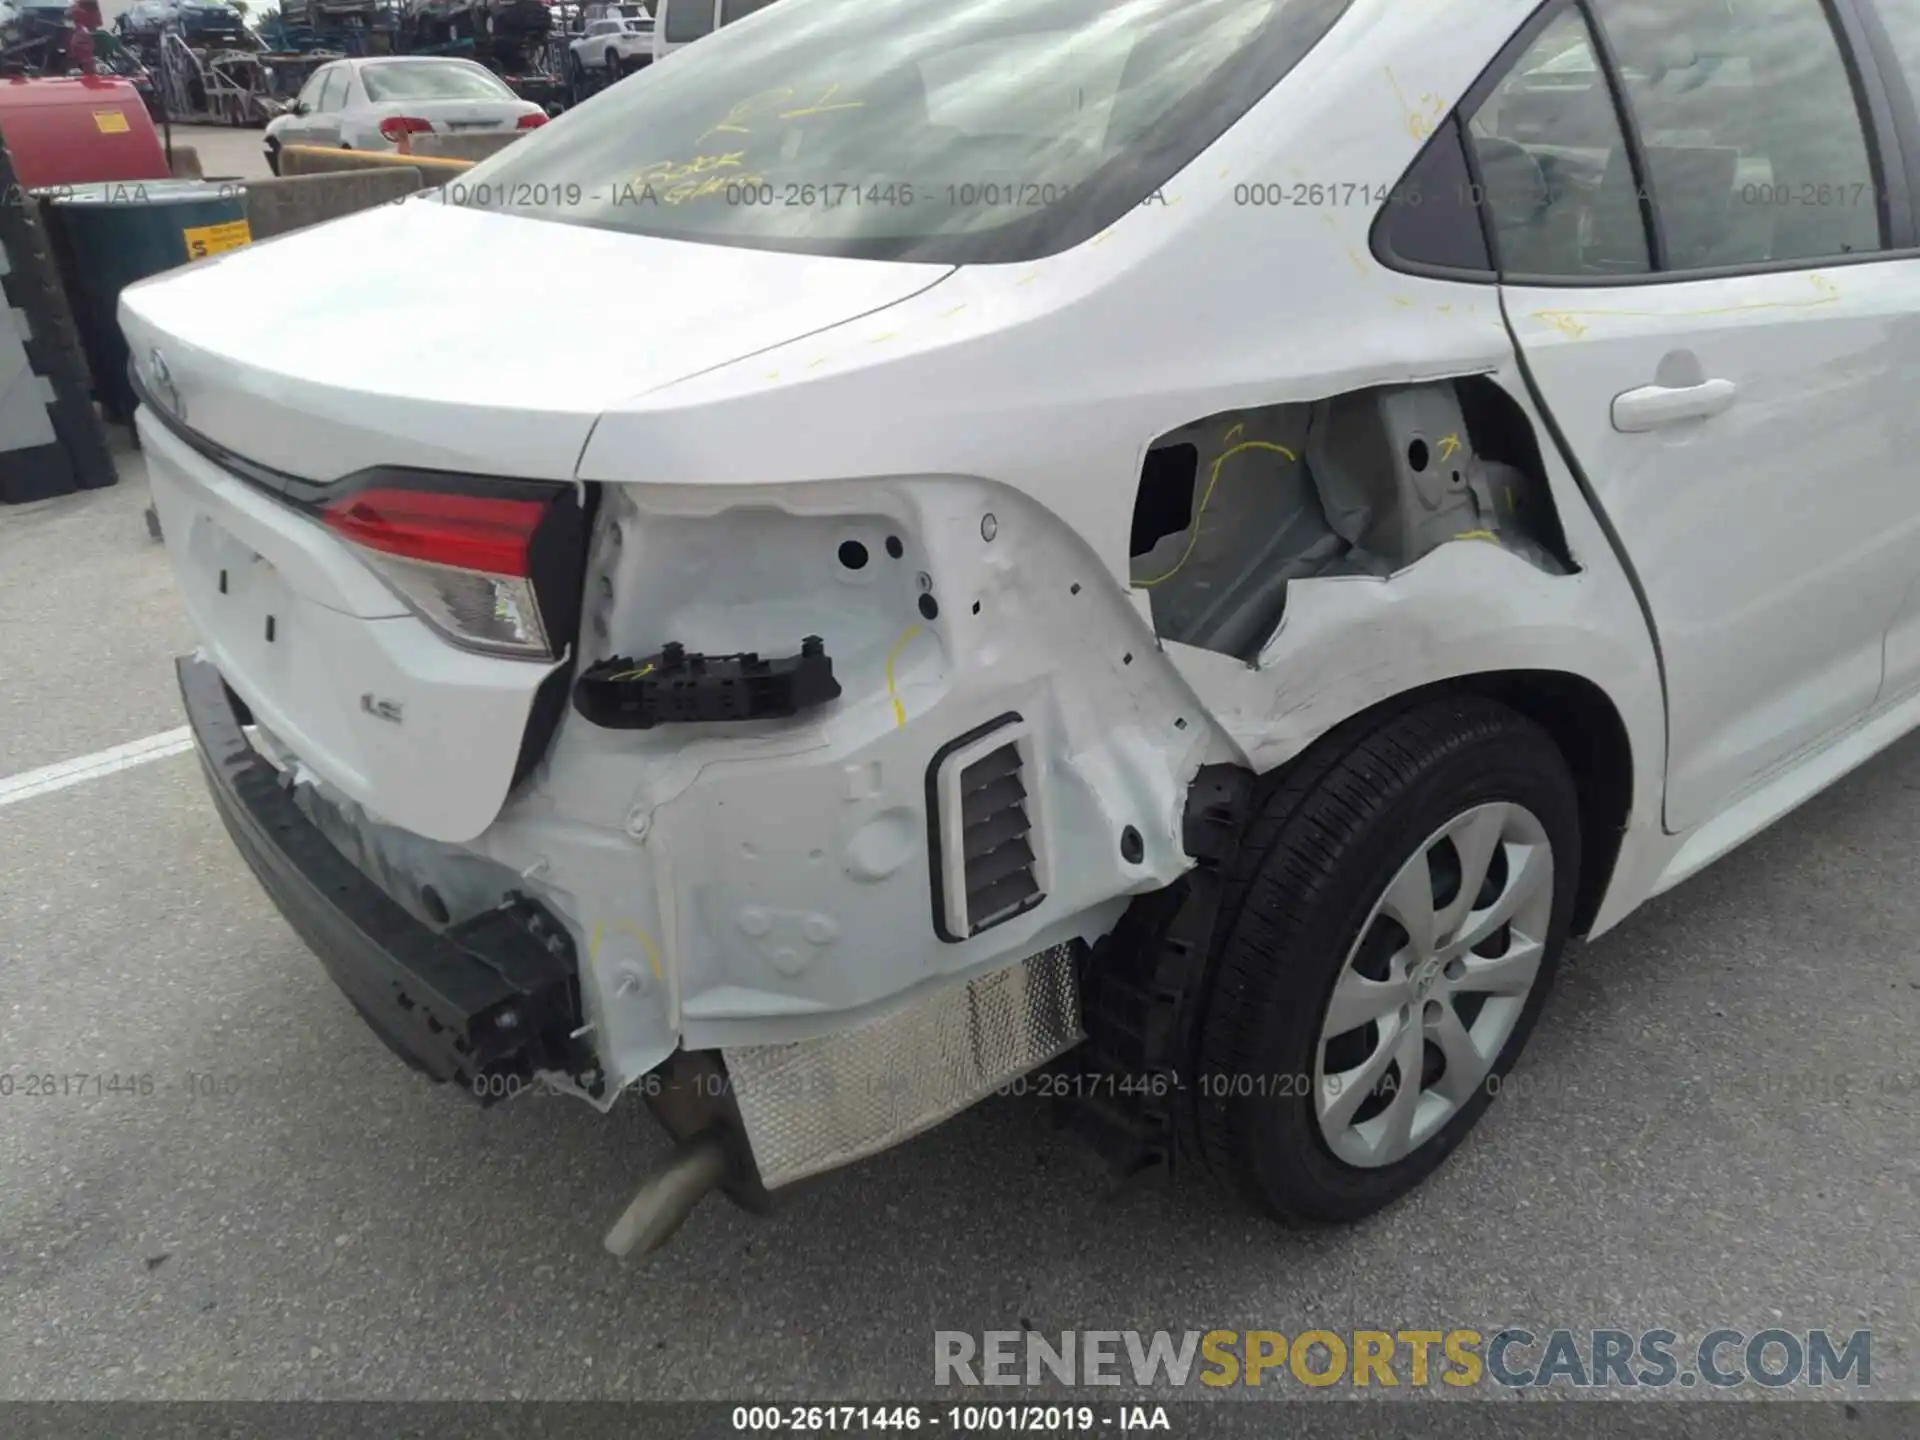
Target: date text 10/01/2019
{"x":955,"y":1419}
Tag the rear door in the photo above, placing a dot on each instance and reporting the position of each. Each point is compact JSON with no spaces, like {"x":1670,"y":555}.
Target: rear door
{"x":297,"y":128}
{"x":324,"y":125}
{"x":1703,"y":289}
{"x":1894,"y":27}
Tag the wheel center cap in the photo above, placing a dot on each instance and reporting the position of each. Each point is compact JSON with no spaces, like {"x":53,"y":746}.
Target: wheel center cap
{"x":1424,"y":977}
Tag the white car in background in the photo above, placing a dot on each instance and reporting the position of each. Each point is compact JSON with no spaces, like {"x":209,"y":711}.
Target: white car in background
{"x":369,"y":104}
{"x":1229,"y":528}
{"x":617,"y":38}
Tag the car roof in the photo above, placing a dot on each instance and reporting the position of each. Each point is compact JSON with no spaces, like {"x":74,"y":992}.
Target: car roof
{"x":364,"y":60}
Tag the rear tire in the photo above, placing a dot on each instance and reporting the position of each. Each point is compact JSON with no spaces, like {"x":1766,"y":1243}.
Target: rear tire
{"x":1296,"y":1109}
{"x":614,"y":71}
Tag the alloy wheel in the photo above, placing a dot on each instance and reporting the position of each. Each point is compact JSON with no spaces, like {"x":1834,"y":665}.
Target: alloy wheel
{"x":1434,"y":984}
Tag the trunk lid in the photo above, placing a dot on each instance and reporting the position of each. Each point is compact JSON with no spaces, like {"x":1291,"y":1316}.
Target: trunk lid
{"x":433,"y":335}
{"x":491,"y":349}
{"x":459,"y":117}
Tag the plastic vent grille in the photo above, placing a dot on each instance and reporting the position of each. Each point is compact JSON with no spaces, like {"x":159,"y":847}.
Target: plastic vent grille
{"x":996,"y":848}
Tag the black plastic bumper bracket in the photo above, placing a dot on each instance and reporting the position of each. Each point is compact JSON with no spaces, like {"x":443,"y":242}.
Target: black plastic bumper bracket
{"x":676,"y":688}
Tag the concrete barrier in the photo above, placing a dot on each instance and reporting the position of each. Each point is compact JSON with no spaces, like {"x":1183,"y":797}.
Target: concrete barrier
{"x":295,"y":201}
{"x":321,"y":160}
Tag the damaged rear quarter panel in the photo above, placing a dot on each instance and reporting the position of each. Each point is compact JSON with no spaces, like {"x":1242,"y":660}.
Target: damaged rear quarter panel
{"x":1035,"y":391}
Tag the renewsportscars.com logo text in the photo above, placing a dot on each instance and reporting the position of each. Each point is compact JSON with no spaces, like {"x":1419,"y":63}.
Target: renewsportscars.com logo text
{"x":1512,"y":1356}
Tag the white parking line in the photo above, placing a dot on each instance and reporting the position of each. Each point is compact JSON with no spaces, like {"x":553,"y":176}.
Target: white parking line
{"x":63,"y":773}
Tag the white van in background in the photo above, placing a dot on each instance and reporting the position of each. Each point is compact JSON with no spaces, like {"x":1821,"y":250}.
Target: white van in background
{"x":680,"y":22}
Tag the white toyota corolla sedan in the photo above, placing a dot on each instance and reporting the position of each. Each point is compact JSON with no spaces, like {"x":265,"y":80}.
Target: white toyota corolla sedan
{"x":1161,"y":557}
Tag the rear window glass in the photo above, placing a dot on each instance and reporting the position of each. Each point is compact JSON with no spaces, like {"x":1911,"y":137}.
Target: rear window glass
{"x":911,"y":130}
{"x":431,"y":80}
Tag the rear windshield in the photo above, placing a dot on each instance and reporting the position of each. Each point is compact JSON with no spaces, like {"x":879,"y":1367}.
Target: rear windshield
{"x":950,"y":131}
{"x":431,"y":80}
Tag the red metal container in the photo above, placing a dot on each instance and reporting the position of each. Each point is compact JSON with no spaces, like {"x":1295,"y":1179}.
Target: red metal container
{"x":75,"y":131}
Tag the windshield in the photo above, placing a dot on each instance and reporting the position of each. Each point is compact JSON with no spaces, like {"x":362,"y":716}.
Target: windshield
{"x":951,"y":131}
{"x":431,"y":80}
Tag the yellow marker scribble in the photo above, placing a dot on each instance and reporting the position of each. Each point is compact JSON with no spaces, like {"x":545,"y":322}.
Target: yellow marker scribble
{"x":1419,"y":125}
{"x":683,"y":180}
{"x":734,"y":122}
{"x":627,"y":927}
{"x":1193,"y":530}
{"x":1358,"y":263}
{"x":1028,"y":278}
{"x":773,"y":374}
{"x":821,"y":107}
{"x":816,"y":364}
{"x":646,"y":669}
{"x":1478,"y":535}
{"x":949,"y":314}
{"x":882,"y":339}
{"x":1403,"y":302}
{"x":899,"y":707}
{"x":667,"y":170}
{"x":1568,"y":322}
{"x":1449,"y":445}
{"x":1563,"y":321}
{"x":1237,"y":430}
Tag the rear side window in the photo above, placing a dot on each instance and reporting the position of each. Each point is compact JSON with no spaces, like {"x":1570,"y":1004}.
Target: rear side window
{"x":1751,"y":146}
{"x":1902,"y":19}
{"x":1555,"y":175}
{"x":688,"y":20}
{"x":913,"y":129}
{"x":1755,"y":147}
{"x":732,"y":10}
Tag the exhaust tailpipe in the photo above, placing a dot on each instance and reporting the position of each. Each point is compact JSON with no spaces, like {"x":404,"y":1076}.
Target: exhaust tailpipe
{"x":665,"y":1198}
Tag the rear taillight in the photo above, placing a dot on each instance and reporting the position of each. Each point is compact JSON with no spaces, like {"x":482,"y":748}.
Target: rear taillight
{"x":395,"y":126}
{"x":531,"y":122}
{"x":464,"y":563}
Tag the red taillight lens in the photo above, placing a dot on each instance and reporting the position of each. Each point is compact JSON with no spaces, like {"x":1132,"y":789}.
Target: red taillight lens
{"x":531,"y":122}
{"x":394,"y":126}
{"x":463,"y":563}
{"x":467,"y":532}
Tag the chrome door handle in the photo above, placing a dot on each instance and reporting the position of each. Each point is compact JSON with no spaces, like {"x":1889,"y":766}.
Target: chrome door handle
{"x":1652,"y":406}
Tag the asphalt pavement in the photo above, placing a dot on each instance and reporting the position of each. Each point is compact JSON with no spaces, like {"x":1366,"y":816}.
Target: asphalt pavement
{"x":1717,"y":1124}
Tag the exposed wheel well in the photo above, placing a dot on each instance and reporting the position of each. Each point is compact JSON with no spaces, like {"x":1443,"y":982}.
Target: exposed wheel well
{"x":1591,"y":735}
{"x":1586,"y":726}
